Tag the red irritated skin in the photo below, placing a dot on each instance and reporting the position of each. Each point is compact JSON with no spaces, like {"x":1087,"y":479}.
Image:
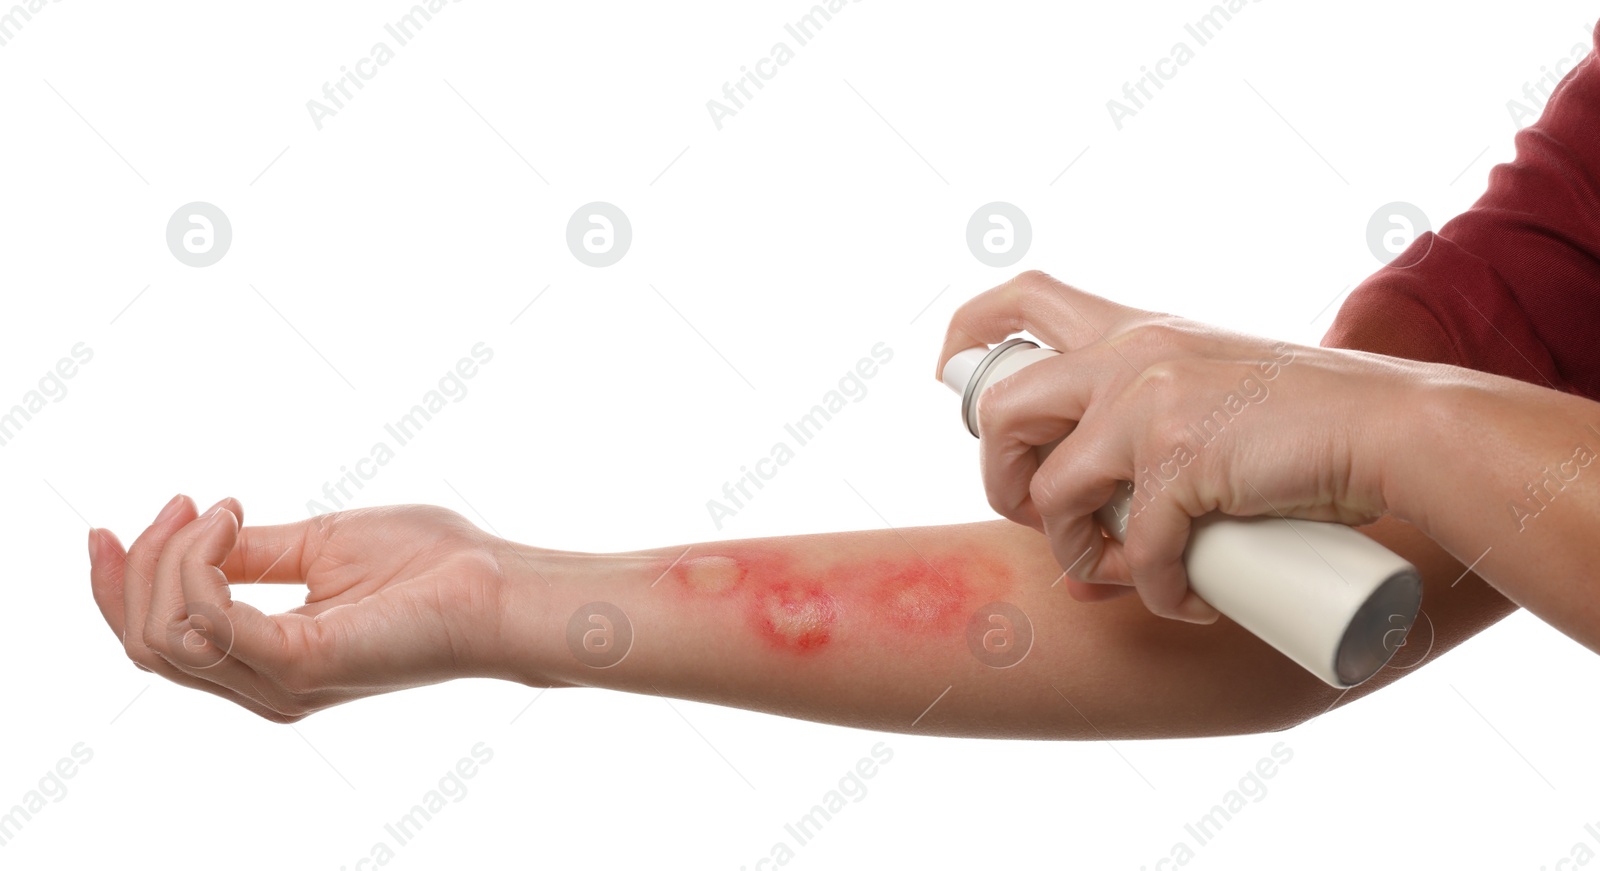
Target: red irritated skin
{"x":797,"y":617}
{"x":799,"y":611}
{"x":930,"y":596}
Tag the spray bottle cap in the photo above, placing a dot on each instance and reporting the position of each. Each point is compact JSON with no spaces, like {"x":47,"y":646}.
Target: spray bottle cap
{"x":964,"y":373}
{"x":959,"y":370}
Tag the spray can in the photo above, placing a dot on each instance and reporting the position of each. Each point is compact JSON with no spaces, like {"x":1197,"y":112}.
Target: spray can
{"x":1325,"y":595}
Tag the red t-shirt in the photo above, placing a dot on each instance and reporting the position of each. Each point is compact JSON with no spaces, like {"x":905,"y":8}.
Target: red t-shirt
{"x":1512,"y":285}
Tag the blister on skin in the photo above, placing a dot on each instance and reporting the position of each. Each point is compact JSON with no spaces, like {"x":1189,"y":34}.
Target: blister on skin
{"x":710,"y":574}
{"x":796,"y":617}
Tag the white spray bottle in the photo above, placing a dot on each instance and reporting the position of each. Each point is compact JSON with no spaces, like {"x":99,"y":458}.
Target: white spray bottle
{"x":1323,"y":594}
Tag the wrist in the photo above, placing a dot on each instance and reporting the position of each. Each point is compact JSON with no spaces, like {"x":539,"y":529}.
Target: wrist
{"x":1422,"y":437}
{"x":527,"y":635}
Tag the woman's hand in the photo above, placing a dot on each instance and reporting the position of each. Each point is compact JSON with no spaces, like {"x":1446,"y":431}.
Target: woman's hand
{"x":396,"y":597}
{"x":1199,"y":418}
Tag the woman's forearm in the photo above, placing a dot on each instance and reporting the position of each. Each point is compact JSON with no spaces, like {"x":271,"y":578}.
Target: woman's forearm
{"x":1503,"y":474}
{"x":874,"y":629}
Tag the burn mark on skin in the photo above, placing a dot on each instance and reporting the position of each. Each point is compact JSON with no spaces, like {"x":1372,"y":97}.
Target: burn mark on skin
{"x":919,"y":595}
{"x":792,"y":612}
{"x":799,"y":608}
{"x":710,"y":574}
{"x":797,"y":617}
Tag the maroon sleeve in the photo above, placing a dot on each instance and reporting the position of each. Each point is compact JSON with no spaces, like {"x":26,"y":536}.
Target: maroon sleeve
{"x":1512,"y":285}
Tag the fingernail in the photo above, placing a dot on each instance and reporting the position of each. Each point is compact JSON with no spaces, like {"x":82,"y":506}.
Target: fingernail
{"x":171,"y":510}
{"x":1194,"y":609}
{"x":214,"y":517}
{"x":94,"y":545}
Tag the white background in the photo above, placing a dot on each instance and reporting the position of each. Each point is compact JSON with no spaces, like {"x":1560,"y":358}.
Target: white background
{"x":826,"y":216}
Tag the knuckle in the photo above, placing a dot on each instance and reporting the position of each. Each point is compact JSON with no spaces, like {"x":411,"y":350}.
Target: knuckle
{"x":1038,"y":293}
{"x":1051,"y":487}
{"x":1046,"y":492}
{"x":1159,"y":338}
{"x":1033,"y":282}
{"x":1004,"y":503}
{"x":1164,"y":373}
